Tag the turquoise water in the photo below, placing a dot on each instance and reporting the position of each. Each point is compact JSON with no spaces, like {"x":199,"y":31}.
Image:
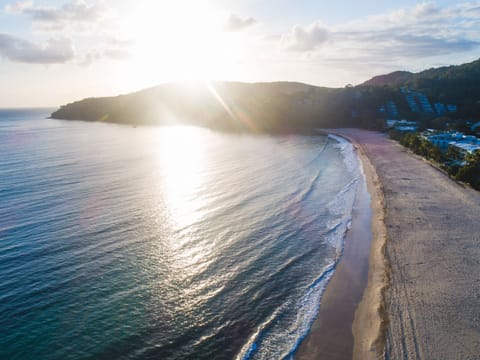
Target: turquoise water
{"x":164,"y":243}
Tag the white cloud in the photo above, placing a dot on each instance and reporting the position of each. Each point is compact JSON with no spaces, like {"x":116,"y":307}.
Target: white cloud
{"x":410,"y":38}
{"x":305,"y":38}
{"x":422,"y":31}
{"x":236,"y":23}
{"x":111,"y":49}
{"x":96,"y":55}
{"x":18,"y":7}
{"x":74,"y":13}
{"x":16,"y":49}
{"x":76,"y":18}
{"x":116,"y":54}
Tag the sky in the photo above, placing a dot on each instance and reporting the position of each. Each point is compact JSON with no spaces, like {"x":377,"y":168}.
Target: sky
{"x":54,"y":52}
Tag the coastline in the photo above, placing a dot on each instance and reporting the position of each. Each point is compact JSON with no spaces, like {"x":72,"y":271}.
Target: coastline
{"x":431,"y":224}
{"x":354,"y":292}
{"x":370,"y":318}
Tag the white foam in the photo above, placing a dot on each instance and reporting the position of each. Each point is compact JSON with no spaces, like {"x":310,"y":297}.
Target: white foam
{"x":263,"y":344}
{"x":348,"y":153}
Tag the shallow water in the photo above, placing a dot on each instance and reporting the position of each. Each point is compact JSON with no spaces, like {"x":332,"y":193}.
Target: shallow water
{"x":165,"y":243}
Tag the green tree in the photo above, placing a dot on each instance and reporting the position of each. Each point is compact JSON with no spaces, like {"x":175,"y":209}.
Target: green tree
{"x":435,"y":154}
{"x":470,"y":173}
{"x":453,"y":153}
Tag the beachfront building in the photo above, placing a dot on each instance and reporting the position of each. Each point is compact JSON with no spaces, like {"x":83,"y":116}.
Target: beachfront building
{"x":390,"y":123}
{"x":407,"y":128}
{"x":462,"y":143}
{"x":466,"y":148}
{"x":402,"y":125}
{"x":443,"y":139}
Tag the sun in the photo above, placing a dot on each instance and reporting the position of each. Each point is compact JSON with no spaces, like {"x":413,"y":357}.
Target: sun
{"x":180,"y":41}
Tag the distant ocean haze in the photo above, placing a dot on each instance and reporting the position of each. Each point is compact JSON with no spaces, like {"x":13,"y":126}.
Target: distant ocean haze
{"x":164,"y":242}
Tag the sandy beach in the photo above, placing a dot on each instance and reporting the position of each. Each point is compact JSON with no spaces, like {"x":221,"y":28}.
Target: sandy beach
{"x":356,"y":287}
{"x":431,"y":306}
{"x":331,"y":334}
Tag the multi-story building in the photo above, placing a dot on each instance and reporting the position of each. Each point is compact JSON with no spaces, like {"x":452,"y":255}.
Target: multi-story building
{"x":463,"y":143}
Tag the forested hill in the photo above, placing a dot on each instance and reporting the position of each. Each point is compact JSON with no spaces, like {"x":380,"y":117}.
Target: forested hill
{"x":405,"y":78}
{"x":458,"y":84}
{"x":233,"y":106}
{"x":284,"y":106}
{"x":396,"y":78}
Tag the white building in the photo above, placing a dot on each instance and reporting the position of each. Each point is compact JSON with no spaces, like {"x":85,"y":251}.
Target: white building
{"x":464,"y":143}
{"x":466,"y":148}
{"x":405,"y":126}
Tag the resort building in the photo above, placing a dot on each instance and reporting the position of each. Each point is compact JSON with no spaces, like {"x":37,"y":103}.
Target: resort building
{"x":402,"y":125}
{"x":466,"y":148}
{"x":463,"y":143}
{"x":418,"y":102}
{"x":451,"y":108}
{"x":442,"y":109}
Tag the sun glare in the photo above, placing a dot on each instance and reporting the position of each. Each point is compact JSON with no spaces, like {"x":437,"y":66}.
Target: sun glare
{"x":181,"y":154}
{"x":173,"y":41}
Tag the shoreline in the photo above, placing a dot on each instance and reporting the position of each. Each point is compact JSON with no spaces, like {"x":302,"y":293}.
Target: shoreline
{"x":427,"y":307}
{"x":354,"y":292}
{"x":370,"y":317}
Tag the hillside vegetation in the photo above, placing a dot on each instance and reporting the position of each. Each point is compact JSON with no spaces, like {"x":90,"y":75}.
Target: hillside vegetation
{"x":281,"y":106}
{"x":450,"y":84}
{"x":229,"y":106}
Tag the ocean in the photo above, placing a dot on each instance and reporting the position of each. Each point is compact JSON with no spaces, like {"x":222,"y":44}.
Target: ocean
{"x":165,"y":242}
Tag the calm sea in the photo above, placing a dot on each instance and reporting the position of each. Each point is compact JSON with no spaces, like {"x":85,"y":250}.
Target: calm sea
{"x":164,"y":242}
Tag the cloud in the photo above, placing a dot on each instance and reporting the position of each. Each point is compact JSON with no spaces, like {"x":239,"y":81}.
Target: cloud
{"x":91,"y":57}
{"x":75,"y":18}
{"x":118,"y":42}
{"x":54,"y":51}
{"x":18,"y":7}
{"x":110,"y":53}
{"x":305,"y":38}
{"x":410,"y":38}
{"x":411,"y":46}
{"x":422,"y":31}
{"x":72,"y":13}
{"x":427,"y":11}
{"x":116,"y":54}
{"x":236,"y":23}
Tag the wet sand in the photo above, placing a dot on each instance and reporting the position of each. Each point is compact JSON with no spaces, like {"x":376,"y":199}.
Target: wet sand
{"x":432,"y":303}
{"x":331,"y":336}
{"x":422,"y":300}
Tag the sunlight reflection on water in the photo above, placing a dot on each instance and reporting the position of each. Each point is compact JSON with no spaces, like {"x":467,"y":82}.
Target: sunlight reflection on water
{"x":182,"y":162}
{"x":173,"y":242}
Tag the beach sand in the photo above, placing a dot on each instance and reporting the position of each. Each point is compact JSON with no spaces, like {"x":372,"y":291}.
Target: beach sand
{"x":331,"y":334}
{"x":432,"y":302}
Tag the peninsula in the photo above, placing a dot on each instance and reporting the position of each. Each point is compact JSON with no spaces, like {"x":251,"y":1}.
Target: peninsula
{"x":430,"y":98}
